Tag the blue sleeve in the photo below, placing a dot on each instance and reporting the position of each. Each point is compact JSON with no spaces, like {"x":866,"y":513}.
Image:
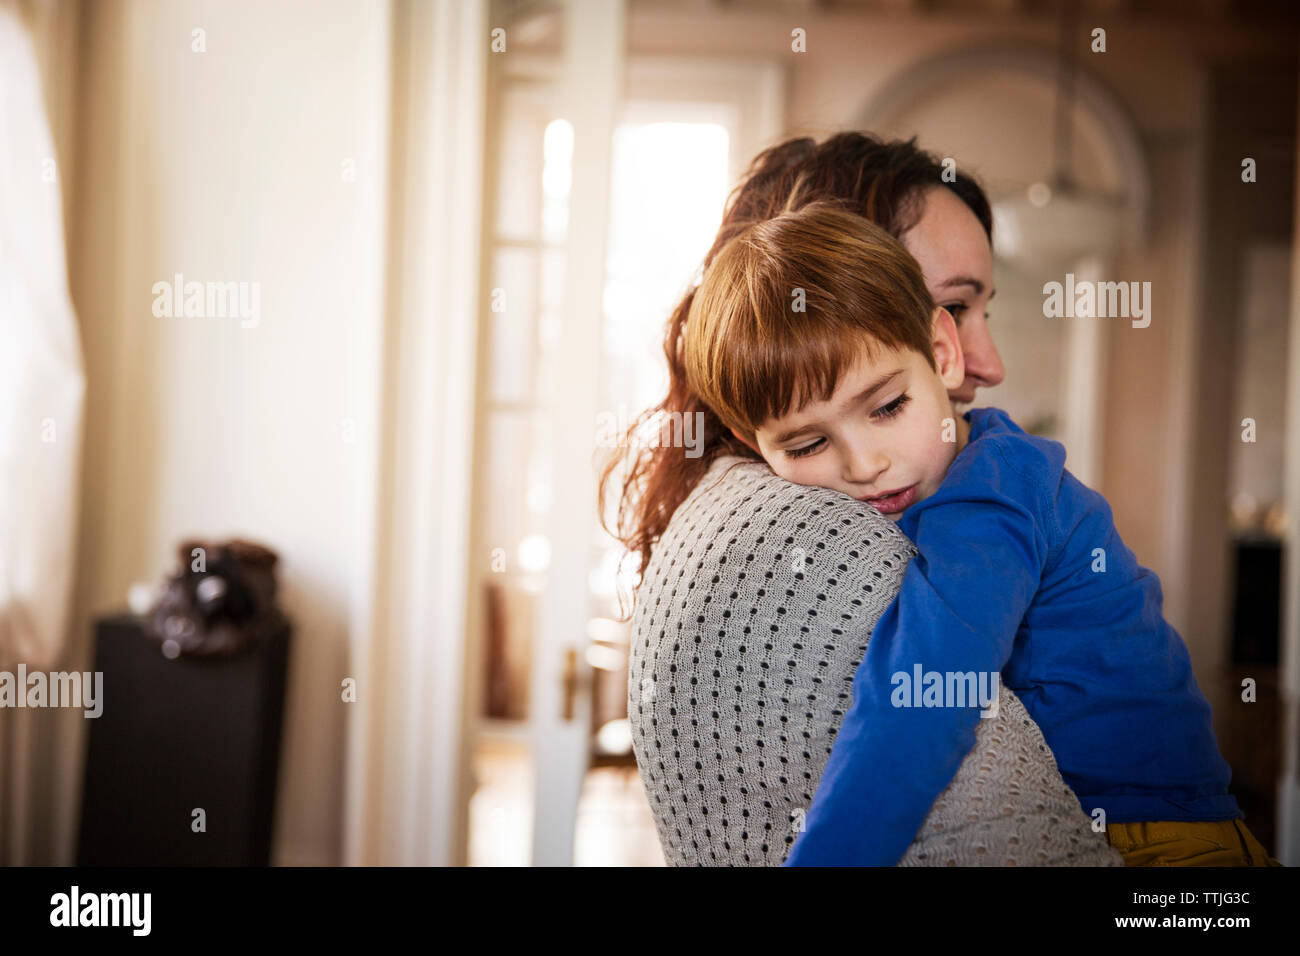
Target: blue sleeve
{"x":981,"y":553}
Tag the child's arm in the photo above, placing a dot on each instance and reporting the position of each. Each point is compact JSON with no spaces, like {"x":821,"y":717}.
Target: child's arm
{"x":982,"y":549}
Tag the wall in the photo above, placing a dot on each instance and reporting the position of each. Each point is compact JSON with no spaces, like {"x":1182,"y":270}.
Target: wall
{"x":227,"y":165}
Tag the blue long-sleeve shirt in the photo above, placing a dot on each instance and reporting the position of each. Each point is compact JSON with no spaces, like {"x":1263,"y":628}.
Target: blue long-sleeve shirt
{"x":1019,"y":570}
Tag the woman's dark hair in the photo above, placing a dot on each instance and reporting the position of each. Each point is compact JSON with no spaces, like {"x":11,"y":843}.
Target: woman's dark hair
{"x":882,"y":181}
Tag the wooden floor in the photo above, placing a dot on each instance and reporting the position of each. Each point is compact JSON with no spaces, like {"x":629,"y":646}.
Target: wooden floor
{"x":614,"y":825}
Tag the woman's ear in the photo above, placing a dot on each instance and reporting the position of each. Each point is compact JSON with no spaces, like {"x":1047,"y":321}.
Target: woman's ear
{"x":747,"y":442}
{"x":946,"y":343}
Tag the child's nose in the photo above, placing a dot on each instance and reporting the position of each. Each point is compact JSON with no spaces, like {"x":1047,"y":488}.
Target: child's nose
{"x":863,"y":465}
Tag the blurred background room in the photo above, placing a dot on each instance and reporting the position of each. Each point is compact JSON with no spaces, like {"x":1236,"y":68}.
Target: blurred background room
{"x":464,"y":224}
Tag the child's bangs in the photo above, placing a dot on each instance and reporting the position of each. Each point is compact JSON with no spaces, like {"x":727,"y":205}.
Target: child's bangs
{"x":792,"y":304}
{"x":772,"y":378}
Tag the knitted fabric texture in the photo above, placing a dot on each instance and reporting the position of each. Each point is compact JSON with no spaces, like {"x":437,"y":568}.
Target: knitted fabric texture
{"x":751,"y":620}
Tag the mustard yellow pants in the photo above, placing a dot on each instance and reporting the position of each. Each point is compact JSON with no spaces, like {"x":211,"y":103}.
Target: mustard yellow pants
{"x":1184,"y":843}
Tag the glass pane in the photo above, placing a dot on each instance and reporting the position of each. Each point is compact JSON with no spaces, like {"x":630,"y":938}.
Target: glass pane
{"x":549,"y":322}
{"x":518,"y":474}
{"x":518,"y":494}
{"x":668,"y":188}
{"x":669,"y":185}
{"x":557,"y":178}
{"x":519,"y":183}
{"x":513,"y":309}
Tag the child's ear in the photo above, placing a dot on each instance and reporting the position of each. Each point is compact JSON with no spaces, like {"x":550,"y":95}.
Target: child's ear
{"x":948,"y":355}
{"x":747,"y":442}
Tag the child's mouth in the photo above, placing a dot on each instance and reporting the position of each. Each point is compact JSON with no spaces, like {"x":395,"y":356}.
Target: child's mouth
{"x":893,"y":502}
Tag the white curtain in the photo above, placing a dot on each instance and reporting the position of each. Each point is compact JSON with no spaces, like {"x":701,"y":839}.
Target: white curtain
{"x":41,"y":390}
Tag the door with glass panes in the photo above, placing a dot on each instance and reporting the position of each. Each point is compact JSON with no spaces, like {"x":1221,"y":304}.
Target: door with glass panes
{"x":551,"y":702}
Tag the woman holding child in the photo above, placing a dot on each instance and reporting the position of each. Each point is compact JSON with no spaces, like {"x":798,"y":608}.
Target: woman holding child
{"x":841,"y":312}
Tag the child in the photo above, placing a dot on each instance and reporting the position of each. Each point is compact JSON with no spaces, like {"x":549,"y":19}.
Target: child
{"x":814,"y":339}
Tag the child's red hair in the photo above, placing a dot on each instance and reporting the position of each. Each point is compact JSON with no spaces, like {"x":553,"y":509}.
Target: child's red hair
{"x":784,"y":308}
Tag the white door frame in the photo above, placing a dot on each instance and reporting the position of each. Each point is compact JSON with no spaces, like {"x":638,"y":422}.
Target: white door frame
{"x":594,"y":50}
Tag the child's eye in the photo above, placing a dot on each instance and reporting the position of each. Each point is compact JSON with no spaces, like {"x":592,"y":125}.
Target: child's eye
{"x":893,"y":408}
{"x":956,"y":310}
{"x":805,"y":450}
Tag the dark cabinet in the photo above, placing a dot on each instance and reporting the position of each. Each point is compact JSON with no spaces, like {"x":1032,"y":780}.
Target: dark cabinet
{"x":177,"y":736}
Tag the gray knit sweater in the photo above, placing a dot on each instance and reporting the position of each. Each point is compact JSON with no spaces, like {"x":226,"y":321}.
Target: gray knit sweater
{"x":752,"y":617}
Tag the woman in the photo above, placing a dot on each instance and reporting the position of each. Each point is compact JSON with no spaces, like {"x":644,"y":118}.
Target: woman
{"x":758,"y":596}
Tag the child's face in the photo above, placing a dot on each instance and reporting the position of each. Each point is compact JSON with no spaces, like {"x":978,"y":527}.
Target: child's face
{"x":886,"y":436}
